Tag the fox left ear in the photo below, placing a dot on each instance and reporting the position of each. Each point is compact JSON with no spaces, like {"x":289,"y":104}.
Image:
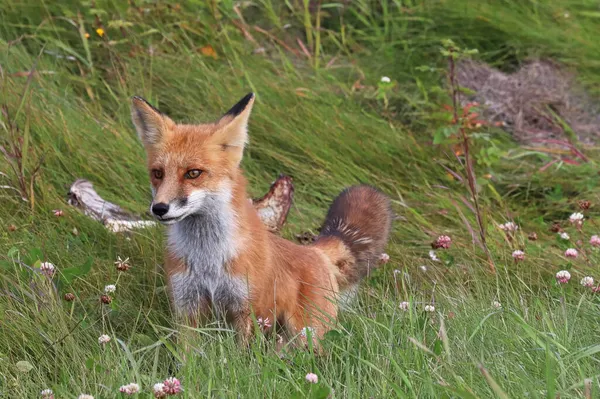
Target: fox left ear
{"x":150,"y":124}
{"x":232,"y":133}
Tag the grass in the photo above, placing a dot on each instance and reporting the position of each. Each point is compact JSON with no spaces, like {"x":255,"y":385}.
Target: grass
{"x":313,"y":122}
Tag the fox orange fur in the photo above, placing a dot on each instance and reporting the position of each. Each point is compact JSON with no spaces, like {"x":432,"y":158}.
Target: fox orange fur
{"x":220,"y":257}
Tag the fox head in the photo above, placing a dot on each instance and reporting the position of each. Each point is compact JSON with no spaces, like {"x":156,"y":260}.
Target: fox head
{"x":191,"y":166}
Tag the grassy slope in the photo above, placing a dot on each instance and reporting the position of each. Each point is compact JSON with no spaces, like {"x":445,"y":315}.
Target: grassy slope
{"x":307,"y":123}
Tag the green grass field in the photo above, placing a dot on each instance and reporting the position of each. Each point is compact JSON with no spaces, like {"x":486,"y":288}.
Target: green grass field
{"x":67,"y":73}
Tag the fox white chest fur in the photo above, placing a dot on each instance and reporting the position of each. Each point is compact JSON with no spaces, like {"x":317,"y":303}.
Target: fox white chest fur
{"x":205,"y":243}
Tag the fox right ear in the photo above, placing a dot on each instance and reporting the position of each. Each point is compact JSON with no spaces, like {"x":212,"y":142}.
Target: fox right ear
{"x":149,"y":122}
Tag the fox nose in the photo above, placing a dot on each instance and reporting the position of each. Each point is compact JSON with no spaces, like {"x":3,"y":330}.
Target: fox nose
{"x":160,"y":209}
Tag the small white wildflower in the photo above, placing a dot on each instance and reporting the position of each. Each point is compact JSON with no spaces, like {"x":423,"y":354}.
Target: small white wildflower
{"x":312,"y":378}
{"x":130,"y":389}
{"x":109,"y":289}
{"x":571,"y":253}
{"x":423,"y":268}
{"x":306,"y":330}
{"x":433,"y":256}
{"x":404,"y":306}
{"x":47,"y":394}
{"x":518,"y":255}
{"x":159,"y":390}
{"x":263,"y":323}
{"x":587,"y":281}
{"x":510,"y":227}
{"x":563,"y":276}
{"x":384,"y":258}
{"x":47,"y":269}
{"x":103,"y":339}
{"x":576,"y":218}
{"x":595,"y":241}
{"x":385,"y":79}
{"x":564,"y":236}
{"x":496,"y":305}
{"x":429,"y":308}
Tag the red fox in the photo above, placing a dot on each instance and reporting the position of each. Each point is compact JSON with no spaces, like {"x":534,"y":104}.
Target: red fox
{"x":220,"y":257}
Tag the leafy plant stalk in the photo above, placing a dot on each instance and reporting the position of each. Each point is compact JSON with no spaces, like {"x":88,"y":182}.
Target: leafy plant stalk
{"x":468,"y":160}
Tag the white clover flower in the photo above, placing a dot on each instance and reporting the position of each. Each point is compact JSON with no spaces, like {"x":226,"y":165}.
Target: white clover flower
{"x":47,"y":394}
{"x":404,"y":306}
{"x":518,"y":255}
{"x":385,"y":79}
{"x":103,"y":339}
{"x":571,"y":253}
{"x":306,"y":330}
{"x":312,"y":378}
{"x":496,"y":305}
{"x":384,"y":258}
{"x":109,"y":289}
{"x":47,"y":269}
{"x":564,"y":236}
{"x":159,"y":390}
{"x":433,"y":256}
{"x":510,"y":227}
{"x":130,"y":389}
{"x":263,"y":323}
{"x":429,"y":308}
{"x":575,"y":217}
{"x":587,"y":281}
{"x":563,"y":276}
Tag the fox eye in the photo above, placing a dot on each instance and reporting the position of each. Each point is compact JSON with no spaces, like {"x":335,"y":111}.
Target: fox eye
{"x":157,"y":173}
{"x":193,"y":174}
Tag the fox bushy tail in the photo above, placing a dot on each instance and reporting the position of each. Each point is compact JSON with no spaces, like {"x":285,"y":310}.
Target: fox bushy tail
{"x":355,"y":232}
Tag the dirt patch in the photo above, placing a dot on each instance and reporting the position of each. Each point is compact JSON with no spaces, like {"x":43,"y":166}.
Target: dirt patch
{"x":532,"y":101}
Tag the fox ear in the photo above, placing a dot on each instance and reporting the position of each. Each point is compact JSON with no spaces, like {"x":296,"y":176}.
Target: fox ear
{"x":232,"y":133}
{"x":149,"y":122}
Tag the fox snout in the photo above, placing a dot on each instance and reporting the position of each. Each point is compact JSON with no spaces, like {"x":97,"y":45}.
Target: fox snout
{"x":166,"y":212}
{"x":160,"y":209}
{"x":169,"y":210}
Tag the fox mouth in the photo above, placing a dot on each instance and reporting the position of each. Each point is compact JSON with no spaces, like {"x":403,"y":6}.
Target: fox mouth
{"x":172,"y":220}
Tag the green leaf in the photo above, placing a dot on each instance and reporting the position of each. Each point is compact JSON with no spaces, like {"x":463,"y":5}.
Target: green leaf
{"x":24,"y":366}
{"x":333,"y":335}
{"x":438,"y":347}
{"x":68,"y":275}
{"x":443,"y":133}
{"x":13,"y":253}
{"x":321,"y":392}
{"x":34,"y":255}
{"x":438,"y":137}
{"x":6,"y":265}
